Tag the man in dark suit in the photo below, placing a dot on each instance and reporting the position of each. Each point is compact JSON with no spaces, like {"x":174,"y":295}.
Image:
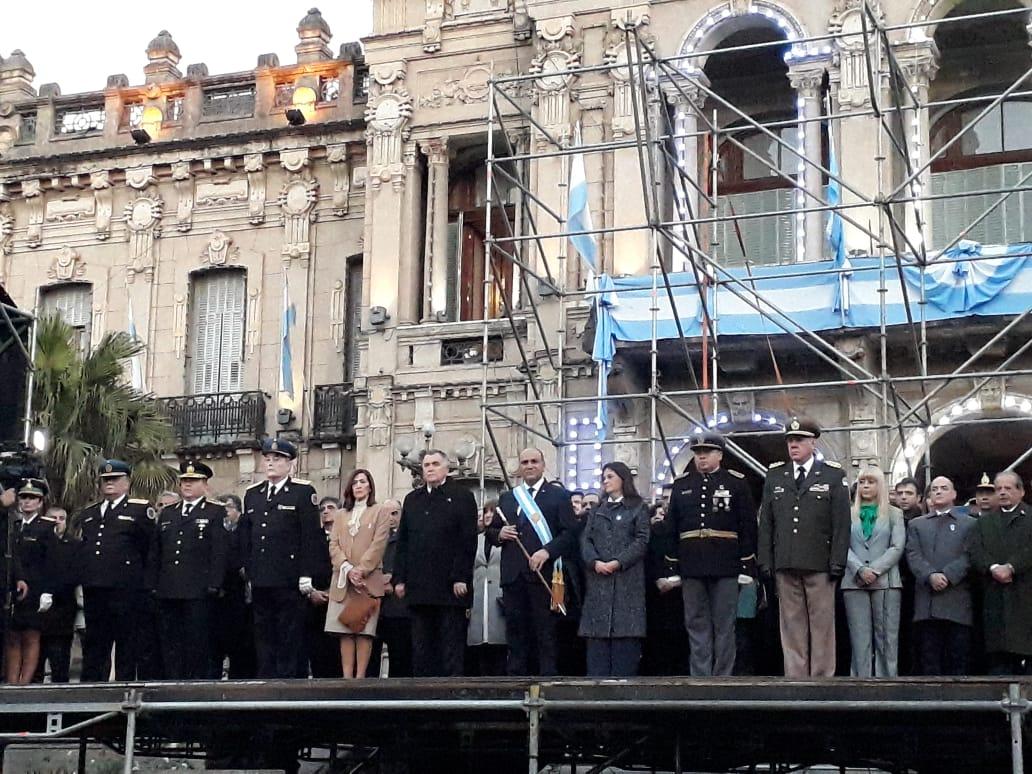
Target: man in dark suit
{"x":284,"y":546}
{"x":433,"y":572}
{"x":804,"y":541}
{"x":185,"y":568}
{"x":116,"y":536}
{"x":1001,"y":554}
{"x":548,"y":532}
{"x":232,"y":627}
{"x":936,"y":552}
{"x":712,"y":510}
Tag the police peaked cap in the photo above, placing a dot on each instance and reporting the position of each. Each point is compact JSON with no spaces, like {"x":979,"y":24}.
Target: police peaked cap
{"x":280,"y":447}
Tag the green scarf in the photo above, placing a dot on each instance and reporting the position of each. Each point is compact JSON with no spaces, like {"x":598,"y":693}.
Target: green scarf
{"x":868,"y":515}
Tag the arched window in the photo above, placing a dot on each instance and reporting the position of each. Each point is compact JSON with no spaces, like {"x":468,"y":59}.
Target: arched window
{"x":73,"y":303}
{"x":218,"y":305}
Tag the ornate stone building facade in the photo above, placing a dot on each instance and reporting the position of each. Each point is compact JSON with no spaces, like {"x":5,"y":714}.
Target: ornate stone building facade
{"x":334,"y":208}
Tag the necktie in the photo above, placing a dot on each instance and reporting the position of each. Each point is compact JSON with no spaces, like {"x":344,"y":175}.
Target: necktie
{"x":104,"y":508}
{"x":186,"y":510}
{"x":272,"y":491}
{"x":800,"y":477}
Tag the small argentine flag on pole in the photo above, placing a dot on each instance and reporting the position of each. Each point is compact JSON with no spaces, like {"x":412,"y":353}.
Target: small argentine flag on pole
{"x":834,"y":231}
{"x":287,"y":359}
{"x":579,"y":218}
{"x":136,"y":362}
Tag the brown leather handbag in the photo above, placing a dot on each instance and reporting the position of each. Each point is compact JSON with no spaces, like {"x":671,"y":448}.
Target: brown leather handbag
{"x":357,"y":610}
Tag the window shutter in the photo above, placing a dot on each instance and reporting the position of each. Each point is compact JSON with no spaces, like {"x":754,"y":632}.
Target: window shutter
{"x":454,"y":246}
{"x":73,"y":303}
{"x":217,"y":321}
{"x":768,"y":240}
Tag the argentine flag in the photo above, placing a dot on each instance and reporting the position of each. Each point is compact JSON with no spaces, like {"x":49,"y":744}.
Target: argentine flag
{"x":579,"y":218}
{"x":834,"y":231}
{"x":136,"y":363}
{"x":286,"y":357}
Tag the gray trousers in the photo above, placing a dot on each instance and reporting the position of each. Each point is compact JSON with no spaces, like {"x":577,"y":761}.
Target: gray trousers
{"x":710,"y":607}
{"x":873,"y":618}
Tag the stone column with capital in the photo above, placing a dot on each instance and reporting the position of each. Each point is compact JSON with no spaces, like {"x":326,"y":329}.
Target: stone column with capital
{"x":687,"y":99}
{"x":390,"y":161}
{"x":808,"y":80}
{"x":435,"y":261}
{"x":920,"y":63}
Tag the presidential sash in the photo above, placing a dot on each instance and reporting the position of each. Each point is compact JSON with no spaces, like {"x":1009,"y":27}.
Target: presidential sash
{"x":537,"y":520}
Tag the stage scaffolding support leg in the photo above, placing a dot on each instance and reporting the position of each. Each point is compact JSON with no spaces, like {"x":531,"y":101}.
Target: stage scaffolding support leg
{"x":131,"y":707}
{"x":533,"y":729}
{"x":1016,"y":707}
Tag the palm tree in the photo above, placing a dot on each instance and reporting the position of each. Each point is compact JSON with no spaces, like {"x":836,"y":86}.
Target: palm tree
{"x":90,"y":413}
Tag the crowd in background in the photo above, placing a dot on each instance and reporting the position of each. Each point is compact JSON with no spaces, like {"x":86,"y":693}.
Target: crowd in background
{"x":821,"y":577}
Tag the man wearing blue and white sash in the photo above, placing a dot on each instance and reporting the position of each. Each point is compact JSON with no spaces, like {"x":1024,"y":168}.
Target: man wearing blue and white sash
{"x":538,"y":514}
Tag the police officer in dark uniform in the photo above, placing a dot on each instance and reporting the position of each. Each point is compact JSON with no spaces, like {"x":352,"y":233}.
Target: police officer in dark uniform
{"x":116,"y":535}
{"x":284,"y":543}
{"x":985,"y":498}
{"x":712,"y":510}
{"x":186,"y":564}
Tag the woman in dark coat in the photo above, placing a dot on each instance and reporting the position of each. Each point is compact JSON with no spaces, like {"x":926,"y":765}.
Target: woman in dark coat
{"x":613,"y":548}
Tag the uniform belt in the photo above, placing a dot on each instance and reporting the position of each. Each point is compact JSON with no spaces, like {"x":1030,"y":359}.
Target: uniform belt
{"x":709,"y":533}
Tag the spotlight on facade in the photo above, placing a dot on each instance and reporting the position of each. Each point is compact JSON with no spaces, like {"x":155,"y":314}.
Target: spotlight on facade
{"x":140,"y":136}
{"x":302,"y":106}
{"x":378,"y":316}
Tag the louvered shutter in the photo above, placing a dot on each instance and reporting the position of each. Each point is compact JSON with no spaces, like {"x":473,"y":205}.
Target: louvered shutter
{"x":217,"y":320}
{"x":353,"y":318}
{"x":73,"y":303}
{"x":1007,"y":224}
{"x":454,"y":245}
{"x":768,"y":240}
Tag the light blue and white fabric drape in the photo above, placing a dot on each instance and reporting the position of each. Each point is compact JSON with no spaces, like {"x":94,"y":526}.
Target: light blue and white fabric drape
{"x":534,"y":515}
{"x":604,"y":348}
{"x":579,"y":217}
{"x":998,"y":284}
{"x":286,"y":356}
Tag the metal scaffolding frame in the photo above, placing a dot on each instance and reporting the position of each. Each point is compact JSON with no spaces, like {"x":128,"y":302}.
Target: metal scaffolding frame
{"x":897,"y":243}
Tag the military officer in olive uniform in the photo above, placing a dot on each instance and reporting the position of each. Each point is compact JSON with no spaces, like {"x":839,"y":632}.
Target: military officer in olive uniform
{"x":186,"y":564}
{"x":713,"y":512}
{"x":804,"y":541}
{"x":116,"y":536}
{"x":284,"y":545}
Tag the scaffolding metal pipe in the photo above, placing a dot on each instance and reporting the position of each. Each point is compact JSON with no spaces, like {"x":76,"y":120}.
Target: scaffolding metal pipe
{"x":34,"y":736}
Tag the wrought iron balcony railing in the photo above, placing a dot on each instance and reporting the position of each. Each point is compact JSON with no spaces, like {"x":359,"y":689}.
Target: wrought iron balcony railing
{"x":335,"y":413}
{"x":229,"y":420}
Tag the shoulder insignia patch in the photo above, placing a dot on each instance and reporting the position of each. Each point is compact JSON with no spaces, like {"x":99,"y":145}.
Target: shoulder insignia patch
{"x":777,"y":464}
{"x":301,"y":481}
{"x":152,"y":514}
{"x":736,"y":474}
{"x":315,"y":499}
{"x":256,"y":485}
{"x":833,"y":464}
{"x":139,"y":501}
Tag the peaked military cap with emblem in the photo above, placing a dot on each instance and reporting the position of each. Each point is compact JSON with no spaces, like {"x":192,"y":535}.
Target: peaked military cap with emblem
{"x":802,"y":427}
{"x":710,"y":440}
{"x":280,"y":447}
{"x":33,"y":487}
{"x":114,"y":469}
{"x":193,"y":469}
{"x":985,"y":483}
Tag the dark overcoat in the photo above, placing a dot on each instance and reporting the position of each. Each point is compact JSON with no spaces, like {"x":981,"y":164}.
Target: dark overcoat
{"x":614,"y":605}
{"x":1005,"y":538}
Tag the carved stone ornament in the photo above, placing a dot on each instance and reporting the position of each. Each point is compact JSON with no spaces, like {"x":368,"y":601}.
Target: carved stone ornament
{"x":67,"y":265}
{"x":386,"y":133}
{"x":143,"y":224}
{"x":6,"y":229}
{"x":471,"y":88}
{"x":32,"y":190}
{"x":179,"y":325}
{"x":297,"y":201}
{"x":554,"y":30}
{"x":379,"y":412}
{"x":622,"y":58}
{"x":437,"y":12}
{"x":140,"y":177}
{"x":340,"y":165}
{"x":184,"y":183}
{"x":294,"y":160}
{"x":69,"y":209}
{"x":254,"y":166}
{"x":220,"y":250}
{"x":846,"y":24}
{"x":337,"y":315}
{"x":254,"y":318}
{"x":100,"y":182}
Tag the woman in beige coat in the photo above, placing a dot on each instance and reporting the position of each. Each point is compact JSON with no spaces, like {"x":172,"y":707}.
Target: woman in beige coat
{"x":357,"y":543}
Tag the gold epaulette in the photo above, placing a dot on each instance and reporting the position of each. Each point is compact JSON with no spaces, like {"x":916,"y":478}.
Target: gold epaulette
{"x":777,"y":464}
{"x":301,"y":481}
{"x":51,"y":519}
{"x":736,"y":474}
{"x":257,"y":484}
{"x":139,"y":501}
{"x":833,"y":464}
{"x":217,"y":502}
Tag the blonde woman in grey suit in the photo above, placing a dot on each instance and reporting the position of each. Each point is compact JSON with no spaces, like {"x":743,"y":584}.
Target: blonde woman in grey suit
{"x":872,"y":586}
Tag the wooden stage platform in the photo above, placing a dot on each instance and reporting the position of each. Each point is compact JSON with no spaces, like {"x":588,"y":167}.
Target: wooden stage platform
{"x":522,"y":725}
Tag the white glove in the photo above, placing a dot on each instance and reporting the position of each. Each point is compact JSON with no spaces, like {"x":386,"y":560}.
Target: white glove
{"x":80,"y":621}
{"x":304,"y":585}
{"x":46,"y":601}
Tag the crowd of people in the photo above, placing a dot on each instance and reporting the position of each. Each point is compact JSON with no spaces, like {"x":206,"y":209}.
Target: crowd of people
{"x":865,"y":579}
